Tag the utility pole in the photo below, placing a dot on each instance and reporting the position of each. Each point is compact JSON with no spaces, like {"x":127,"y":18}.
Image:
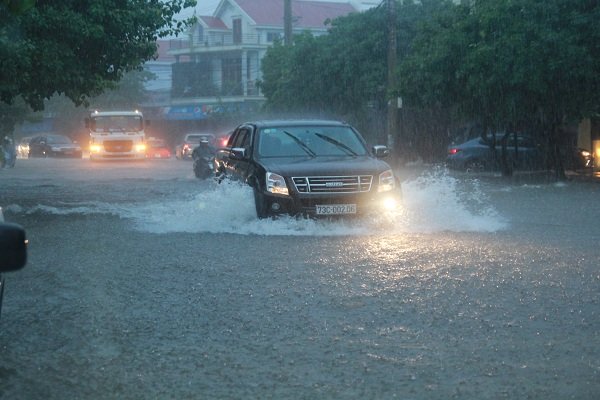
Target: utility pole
{"x":392,"y":106}
{"x":287,"y":22}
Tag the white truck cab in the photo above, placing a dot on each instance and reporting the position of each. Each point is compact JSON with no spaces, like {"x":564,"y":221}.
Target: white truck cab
{"x":117,"y":135}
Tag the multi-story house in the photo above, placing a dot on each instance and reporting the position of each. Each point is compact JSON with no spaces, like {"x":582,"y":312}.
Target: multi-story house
{"x":218,"y":64}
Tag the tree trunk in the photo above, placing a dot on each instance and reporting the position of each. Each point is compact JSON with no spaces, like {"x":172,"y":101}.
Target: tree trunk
{"x":557,"y":164}
{"x":506,"y":166}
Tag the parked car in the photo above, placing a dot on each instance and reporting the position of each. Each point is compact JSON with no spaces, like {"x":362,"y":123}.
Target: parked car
{"x":190,"y":142}
{"x":308,"y":167}
{"x":477,"y":154}
{"x":13,"y":250}
{"x":23,"y":147}
{"x":53,"y":145}
{"x":157,"y":148}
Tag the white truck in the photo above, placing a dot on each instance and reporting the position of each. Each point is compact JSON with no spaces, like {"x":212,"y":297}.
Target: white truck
{"x":117,"y":135}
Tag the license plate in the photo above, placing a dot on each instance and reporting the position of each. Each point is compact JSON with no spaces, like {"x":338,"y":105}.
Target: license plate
{"x":336,"y":209}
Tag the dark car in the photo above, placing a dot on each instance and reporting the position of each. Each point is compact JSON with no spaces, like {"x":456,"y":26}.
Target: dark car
{"x":308,"y":167}
{"x":183,"y":151}
{"x":53,"y":145}
{"x":523,"y":152}
{"x":13,"y":250}
{"x":157,"y":148}
{"x":478,"y":153}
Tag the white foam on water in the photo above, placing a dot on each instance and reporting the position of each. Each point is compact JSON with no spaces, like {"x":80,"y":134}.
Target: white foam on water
{"x":434,"y":202}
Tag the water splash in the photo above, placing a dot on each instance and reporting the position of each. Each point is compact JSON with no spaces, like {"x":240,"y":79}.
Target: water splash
{"x":433,"y":202}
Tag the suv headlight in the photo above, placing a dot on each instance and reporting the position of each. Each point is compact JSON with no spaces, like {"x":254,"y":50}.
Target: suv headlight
{"x":387,"y":181}
{"x":276,"y":184}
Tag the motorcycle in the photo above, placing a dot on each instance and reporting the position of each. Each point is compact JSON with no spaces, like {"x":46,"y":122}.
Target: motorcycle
{"x":203,"y":157}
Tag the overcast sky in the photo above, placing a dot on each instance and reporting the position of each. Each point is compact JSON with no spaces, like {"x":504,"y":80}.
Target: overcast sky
{"x":206,"y":7}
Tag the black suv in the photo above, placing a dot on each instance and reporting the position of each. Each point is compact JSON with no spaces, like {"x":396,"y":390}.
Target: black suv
{"x":308,"y":167}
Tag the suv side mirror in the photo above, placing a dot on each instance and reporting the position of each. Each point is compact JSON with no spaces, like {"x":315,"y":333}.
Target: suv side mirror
{"x":381,"y":151}
{"x":13,"y":247}
{"x":237,"y":153}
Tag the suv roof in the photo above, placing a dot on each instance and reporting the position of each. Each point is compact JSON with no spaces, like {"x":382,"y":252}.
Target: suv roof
{"x":296,"y":122}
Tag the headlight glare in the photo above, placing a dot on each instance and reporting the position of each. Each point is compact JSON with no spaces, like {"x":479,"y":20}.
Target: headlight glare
{"x":389,"y":204}
{"x":95,"y":148}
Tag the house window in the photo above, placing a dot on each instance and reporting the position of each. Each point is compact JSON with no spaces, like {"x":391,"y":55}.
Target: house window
{"x":237,"y":31}
{"x":273,"y":36}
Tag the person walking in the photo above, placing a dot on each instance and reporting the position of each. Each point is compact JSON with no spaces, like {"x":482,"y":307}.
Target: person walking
{"x":9,"y":152}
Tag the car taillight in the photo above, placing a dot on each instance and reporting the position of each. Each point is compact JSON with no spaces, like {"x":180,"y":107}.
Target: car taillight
{"x":453,"y":150}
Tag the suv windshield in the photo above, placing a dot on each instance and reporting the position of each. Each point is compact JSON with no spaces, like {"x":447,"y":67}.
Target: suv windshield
{"x":116,"y":123}
{"x":313,"y":141}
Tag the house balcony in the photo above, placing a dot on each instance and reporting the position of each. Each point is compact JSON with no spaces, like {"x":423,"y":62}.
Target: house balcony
{"x":215,"y":43}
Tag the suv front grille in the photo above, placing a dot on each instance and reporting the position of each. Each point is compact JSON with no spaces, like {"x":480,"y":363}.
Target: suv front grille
{"x":333,"y":184}
{"x":118,"y":146}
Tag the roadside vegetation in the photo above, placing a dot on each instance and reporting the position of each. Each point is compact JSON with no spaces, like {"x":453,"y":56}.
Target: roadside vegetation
{"x":77,"y":50}
{"x":519,"y":65}
{"x":504,"y":66}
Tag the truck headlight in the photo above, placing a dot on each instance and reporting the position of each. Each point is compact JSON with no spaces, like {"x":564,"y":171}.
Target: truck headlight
{"x":140,"y":147}
{"x":387,"y":181}
{"x":95,"y":148}
{"x":276,"y":184}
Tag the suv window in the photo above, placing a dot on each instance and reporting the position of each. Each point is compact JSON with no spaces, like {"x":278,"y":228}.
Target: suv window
{"x":242,"y":139}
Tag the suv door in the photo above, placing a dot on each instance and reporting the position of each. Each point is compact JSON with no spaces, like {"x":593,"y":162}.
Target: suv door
{"x":239,"y":154}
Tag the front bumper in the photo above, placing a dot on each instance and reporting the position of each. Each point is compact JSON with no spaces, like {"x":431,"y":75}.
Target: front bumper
{"x":306,"y":204}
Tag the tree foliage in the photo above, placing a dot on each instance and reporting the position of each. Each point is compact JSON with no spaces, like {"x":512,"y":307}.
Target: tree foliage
{"x":334,"y":73}
{"x":511,"y":64}
{"x":343,"y":73}
{"x":78,"y":48}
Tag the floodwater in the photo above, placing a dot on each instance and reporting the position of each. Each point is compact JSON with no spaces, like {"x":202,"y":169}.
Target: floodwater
{"x":144,"y":282}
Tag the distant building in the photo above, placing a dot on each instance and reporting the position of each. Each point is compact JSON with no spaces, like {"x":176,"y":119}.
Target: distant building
{"x":159,"y":88}
{"x":215,"y":68}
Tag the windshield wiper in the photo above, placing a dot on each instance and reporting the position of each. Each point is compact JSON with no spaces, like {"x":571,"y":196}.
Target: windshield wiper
{"x":336,"y":143}
{"x":303,"y":146}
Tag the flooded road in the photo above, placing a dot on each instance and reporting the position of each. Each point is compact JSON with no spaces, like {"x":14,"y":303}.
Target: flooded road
{"x":144,"y":282}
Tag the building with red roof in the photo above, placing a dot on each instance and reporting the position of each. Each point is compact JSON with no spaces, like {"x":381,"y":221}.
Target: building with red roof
{"x":218,"y":64}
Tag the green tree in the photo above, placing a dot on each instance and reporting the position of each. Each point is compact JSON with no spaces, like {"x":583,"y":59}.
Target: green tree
{"x":335,"y":73}
{"x":518,"y":64}
{"x":343,"y":73}
{"x":78,"y":48}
